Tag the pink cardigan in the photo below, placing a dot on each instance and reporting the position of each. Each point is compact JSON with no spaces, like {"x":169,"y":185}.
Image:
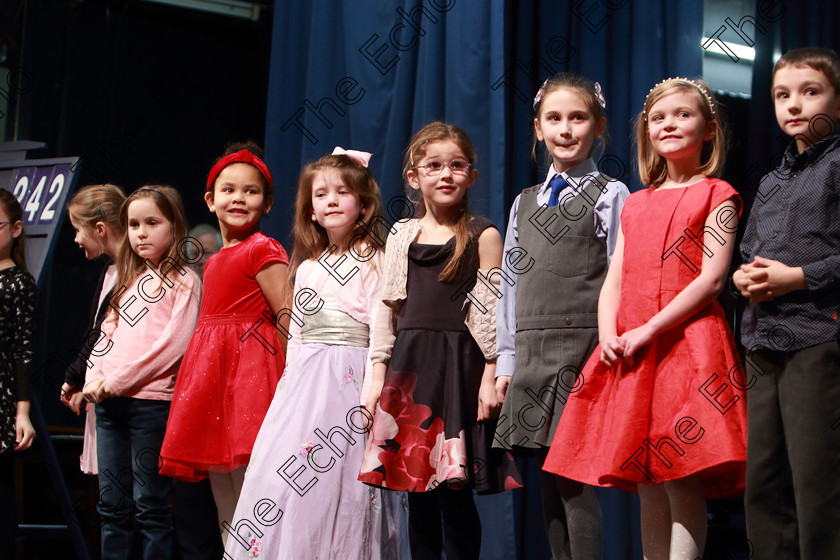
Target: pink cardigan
{"x":140,"y":355}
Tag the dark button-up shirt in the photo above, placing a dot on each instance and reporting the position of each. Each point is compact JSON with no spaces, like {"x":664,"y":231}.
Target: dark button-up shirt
{"x":796,"y":220}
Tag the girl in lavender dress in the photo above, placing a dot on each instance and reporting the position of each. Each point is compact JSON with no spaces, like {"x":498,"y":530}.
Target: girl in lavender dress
{"x":301,"y":498}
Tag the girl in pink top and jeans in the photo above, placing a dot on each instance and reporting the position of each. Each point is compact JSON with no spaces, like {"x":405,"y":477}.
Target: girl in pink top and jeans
{"x":152,"y":316}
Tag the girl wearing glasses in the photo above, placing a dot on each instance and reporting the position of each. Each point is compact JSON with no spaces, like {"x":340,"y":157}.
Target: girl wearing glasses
{"x":17,"y":307}
{"x":434,"y":353}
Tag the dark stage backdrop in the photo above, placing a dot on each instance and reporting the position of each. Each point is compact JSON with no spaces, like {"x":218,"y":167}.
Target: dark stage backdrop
{"x":787,"y":26}
{"x":151,"y":93}
{"x":367,"y":74}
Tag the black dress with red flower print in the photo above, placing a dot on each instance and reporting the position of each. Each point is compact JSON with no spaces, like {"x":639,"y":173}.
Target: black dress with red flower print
{"x":425,"y":432}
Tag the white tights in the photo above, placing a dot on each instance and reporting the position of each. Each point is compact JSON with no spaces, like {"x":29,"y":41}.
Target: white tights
{"x":673,"y":519}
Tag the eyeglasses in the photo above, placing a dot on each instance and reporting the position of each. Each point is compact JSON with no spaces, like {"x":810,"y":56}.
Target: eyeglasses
{"x":456,"y":166}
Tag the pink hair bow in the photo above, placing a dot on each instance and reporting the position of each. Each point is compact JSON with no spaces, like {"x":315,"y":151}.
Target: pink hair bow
{"x":362,"y":158}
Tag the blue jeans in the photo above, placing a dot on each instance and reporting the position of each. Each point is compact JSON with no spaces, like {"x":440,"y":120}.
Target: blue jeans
{"x":132,"y":495}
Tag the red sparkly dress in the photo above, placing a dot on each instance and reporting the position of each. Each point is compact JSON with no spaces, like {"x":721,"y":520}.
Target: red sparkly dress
{"x":231,"y":367}
{"x":679,"y":409}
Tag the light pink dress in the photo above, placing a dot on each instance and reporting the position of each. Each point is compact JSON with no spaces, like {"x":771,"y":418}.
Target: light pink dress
{"x":87,"y":461}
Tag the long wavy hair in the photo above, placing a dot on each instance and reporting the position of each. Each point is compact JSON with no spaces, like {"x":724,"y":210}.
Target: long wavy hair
{"x":433,"y":132}
{"x":129,"y":264}
{"x":310,"y":237}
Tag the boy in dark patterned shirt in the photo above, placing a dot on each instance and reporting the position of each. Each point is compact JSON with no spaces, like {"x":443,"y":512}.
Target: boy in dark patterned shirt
{"x":790,"y":328}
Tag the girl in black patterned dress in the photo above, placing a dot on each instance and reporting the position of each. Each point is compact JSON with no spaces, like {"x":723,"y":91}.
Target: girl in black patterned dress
{"x":433,"y":395}
{"x":17,"y":305}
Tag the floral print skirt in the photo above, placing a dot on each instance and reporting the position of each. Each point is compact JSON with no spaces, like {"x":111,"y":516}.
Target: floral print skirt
{"x":425,"y":431}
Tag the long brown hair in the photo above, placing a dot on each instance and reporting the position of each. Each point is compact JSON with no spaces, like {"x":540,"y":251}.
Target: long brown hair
{"x":439,"y":131}
{"x":15,"y":214}
{"x":310,"y":237}
{"x":129,"y":263}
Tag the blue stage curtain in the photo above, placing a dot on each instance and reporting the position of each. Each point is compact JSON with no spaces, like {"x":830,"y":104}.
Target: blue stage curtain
{"x":378,"y":78}
{"x":407,"y":74}
{"x":476,"y":64}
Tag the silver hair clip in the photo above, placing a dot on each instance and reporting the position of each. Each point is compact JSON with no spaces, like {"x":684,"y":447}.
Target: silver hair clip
{"x":703,"y":90}
{"x":600,"y":95}
{"x":540,"y":93}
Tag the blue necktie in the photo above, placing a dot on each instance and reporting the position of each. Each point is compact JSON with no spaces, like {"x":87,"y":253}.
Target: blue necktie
{"x":557,"y":184}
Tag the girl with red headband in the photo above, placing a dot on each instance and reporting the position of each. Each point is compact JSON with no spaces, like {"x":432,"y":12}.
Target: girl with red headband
{"x":235,"y":358}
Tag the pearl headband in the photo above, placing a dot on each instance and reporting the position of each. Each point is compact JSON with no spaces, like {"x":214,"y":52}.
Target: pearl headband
{"x":706,"y":95}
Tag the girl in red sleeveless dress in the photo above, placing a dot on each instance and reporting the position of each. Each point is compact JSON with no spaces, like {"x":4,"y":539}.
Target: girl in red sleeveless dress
{"x":660,"y":410}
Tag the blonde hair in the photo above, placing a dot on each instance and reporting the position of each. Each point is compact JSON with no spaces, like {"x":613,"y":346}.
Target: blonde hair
{"x":310,"y":237}
{"x":653,"y":168}
{"x":582,"y":87}
{"x":129,"y":263}
{"x":433,"y":132}
{"x":98,"y":203}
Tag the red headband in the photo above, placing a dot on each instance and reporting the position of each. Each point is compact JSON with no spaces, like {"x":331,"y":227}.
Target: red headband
{"x":242,"y":156}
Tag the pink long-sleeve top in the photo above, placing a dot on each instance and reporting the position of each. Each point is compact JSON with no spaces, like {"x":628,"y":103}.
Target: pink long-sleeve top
{"x":139,"y":355}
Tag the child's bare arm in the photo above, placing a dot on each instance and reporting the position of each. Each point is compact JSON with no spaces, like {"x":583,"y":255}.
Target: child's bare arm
{"x":490,"y":249}
{"x":696,"y":295}
{"x":611,"y":347}
{"x":489,"y":404}
{"x":273,"y":280}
